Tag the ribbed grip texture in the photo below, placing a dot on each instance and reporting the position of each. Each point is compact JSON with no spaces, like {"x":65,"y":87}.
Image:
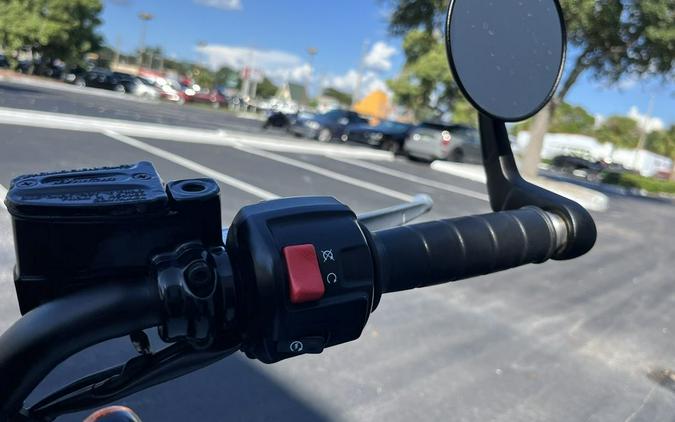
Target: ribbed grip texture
{"x":440,"y":251}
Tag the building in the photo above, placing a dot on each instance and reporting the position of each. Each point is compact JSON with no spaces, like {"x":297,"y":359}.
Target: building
{"x":645,"y":162}
{"x":376,"y":104}
{"x":568,"y":144}
{"x":293,"y":93}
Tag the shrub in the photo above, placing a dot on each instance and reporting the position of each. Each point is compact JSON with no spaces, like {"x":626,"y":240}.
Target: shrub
{"x":635,"y":181}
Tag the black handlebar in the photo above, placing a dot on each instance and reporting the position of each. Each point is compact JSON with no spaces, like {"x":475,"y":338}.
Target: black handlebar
{"x":293,"y":276}
{"x":430,"y":253}
{"x":51,"y":333}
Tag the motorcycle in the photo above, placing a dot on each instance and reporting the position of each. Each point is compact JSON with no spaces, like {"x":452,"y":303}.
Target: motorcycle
{"x":289,"y":277}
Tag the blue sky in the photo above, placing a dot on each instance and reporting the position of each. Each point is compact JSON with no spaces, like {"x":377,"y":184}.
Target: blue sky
{"x":274,"y":35}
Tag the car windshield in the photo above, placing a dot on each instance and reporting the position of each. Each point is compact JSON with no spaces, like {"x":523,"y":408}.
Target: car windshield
{"x":355,"y":100}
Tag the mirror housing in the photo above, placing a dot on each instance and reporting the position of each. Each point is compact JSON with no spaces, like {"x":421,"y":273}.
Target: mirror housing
{"x":488,"y":40}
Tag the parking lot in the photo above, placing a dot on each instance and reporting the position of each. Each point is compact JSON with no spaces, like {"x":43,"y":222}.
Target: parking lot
{"x":591,"y":339}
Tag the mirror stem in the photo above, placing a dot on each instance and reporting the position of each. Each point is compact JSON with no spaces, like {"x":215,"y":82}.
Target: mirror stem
{"x":508,"y":190}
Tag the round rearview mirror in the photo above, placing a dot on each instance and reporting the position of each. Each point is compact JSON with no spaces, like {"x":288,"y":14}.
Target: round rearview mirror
{"x":506,"y":55}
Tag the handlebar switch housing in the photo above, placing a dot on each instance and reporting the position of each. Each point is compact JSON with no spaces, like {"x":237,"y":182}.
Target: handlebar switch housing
{"x":275,"y":323}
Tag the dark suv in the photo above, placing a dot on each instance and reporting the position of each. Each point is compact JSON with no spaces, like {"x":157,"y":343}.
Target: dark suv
{"x":328,"y":126}
{"x":100,"y":78}
{"x":387,"y":135}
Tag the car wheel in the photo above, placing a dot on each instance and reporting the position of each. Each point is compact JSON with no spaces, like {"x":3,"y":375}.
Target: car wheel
{"x":324,"y":135}
{"x":79,"y":82}
{"x":391,"y":146}
{"x":120,"y":88}
{"x":457,"y":155}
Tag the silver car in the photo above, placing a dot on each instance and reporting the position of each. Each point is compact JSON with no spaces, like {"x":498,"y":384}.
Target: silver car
{"x":436,"y":141}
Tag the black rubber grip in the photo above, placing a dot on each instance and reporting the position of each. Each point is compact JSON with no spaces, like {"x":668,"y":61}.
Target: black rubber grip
{"x":436,"y":252}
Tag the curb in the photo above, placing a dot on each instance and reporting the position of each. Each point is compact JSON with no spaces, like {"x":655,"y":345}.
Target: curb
{"x":588,"y":198}
{"x":64,"y":121}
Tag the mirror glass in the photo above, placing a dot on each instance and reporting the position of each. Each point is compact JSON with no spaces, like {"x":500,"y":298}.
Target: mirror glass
{"x":506,"y":55}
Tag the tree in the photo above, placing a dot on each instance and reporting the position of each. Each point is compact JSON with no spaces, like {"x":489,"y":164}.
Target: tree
{"x":342,"y":97}
{"x":203,"y":77}
{"x":567,"y":119}
{"x":416,"y":14}
{"x":613,"y":38}
{"x":464,"y":113}
{"x":267,"y":88}
{"x":425,"y":84}
{"x":663,"y":142}
{"x":228,"y":77}
{"x":64,"y":29}
{"x":621,"y":131}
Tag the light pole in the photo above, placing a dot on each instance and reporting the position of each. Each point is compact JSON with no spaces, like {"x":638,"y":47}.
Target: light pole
{"x":144,"y":17}
{"x":642,"y":125}
{"x":311,"y":51}
{"x":202,"y":55}
{"x":359,"y":74}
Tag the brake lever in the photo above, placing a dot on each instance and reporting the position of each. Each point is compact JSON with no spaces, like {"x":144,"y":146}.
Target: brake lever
{"x":138,"y":373}
{"x":397,"y":215}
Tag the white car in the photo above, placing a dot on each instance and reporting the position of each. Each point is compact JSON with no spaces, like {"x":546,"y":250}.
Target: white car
{"x":146,"y":89}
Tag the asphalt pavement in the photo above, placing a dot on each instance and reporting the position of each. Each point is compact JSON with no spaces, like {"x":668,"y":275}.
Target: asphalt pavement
{"x":590,"y":339}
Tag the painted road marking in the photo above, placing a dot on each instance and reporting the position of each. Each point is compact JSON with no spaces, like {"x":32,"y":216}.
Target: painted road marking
{"x":194,"y":166}
{"x":328,"y":173}
{"x":72,"y":122}
{"x":410,"y":177}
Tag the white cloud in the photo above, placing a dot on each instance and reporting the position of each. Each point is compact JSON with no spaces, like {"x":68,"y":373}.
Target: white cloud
{"x":650,"y":124}
{"x":300,"y":73}
{"x":280,"y":66}
{"x":221,"y":4}
{"x":379,"y":56}
{"x":238,"y":57}
{"x":348,"y":81}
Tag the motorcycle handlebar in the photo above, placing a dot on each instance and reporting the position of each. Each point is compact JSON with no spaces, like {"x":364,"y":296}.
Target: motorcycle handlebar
{"x":436,"y":252}
{"x":405,"y":257}
{"x":65,"y":326}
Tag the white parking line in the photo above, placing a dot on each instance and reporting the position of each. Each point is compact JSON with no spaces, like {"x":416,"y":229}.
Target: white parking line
{"x":3,"y":194}
{"x":194,"y":166}
{"x":47,"y":120}
{"x":328,"y":173}
{"x":413,"y":178}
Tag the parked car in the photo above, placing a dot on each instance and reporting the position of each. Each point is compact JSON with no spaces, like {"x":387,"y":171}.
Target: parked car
{"x":328,"y":126}
{"x":581,"y":167}
{"x":4,"y":63}
{"x":197,"y":94}
{"x":75,"y":75}
{"x":280,"y":119}
{"x":99,"y":78}
{"x":387,"y":135}
{"x":170,"y":90}
{"x":146,"y":88}
{"x":438,"y":141}
{"x":277,"y":119}
{"x":136,"y":85}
